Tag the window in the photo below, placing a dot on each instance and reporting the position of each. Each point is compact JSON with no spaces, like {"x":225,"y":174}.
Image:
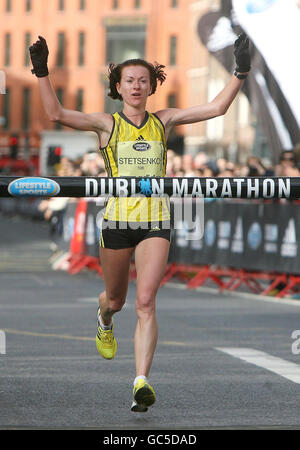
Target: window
{"x":7,"y":45}
{"x":125,"y":42}
{"x":61,"y":5}
{"x":60,"y":96}
{"x":26,"y":52}
{"x":26,"y":109}
{"x":6,"y":109}
{"x":173,"y":50}
{"x":61,"y":50}
{"x":115,"y":4}
{"x":81,"y":49}
{"x":28,"y":5}
{"x":8,"y":6}
{"x":79,"y":100}
{"x":110,"y":105}
{"x":137,"y":4}
{"x":81,"y":5}
{"x":172,"y":101}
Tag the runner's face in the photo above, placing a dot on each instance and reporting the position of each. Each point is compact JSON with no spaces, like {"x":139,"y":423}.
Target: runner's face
{"x":135,"y":85}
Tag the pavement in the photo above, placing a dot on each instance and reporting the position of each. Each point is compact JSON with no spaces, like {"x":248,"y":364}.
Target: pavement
{"x":222,"y":361}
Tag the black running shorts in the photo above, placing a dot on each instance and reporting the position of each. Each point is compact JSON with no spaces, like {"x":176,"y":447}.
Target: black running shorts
{"x":126,"y":236}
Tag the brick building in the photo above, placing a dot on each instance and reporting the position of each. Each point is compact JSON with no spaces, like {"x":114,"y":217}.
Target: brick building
{"x":83,"y":36}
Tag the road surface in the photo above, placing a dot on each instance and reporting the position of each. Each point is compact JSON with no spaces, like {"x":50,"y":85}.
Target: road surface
{"x":222,"y":362}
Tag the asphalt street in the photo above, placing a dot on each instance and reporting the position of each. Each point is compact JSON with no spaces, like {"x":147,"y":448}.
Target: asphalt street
{"x":208,"y":371}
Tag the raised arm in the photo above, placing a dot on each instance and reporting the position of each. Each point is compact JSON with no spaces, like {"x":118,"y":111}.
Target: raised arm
{"x":220,"y":104}
{"x":97,"y":122}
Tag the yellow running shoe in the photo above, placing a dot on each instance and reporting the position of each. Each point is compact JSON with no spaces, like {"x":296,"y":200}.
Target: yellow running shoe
{"x":144,"y":396}
{"x":106,"y":343}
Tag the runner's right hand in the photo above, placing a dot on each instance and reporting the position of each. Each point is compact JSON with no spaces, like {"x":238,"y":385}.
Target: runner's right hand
{"x":39,"y":57}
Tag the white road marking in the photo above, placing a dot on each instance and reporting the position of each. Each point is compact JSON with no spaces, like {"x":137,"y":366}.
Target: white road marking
{"x":246,"y":295}
{"x":286,"y":369}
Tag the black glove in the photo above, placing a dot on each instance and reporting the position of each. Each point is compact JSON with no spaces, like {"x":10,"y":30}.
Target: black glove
{"x":39,"y":57}
{"x":242,"y":54}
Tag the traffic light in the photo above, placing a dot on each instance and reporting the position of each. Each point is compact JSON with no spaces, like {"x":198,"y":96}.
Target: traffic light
{"x":54,"y":155}
{"x":13,"y":146}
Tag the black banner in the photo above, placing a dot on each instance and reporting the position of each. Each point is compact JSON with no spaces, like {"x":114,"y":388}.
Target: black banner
{"x":67,"y":226}
{"x":93,"y":226}
{"x":260,"y":187}
{"x":242,"y":234}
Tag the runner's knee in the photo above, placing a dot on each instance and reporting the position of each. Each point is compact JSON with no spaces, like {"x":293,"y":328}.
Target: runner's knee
{"x":145,"y":303}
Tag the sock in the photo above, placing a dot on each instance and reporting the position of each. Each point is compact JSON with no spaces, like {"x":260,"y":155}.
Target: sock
{"x":138,"y":378}
{"x":104,"y":327}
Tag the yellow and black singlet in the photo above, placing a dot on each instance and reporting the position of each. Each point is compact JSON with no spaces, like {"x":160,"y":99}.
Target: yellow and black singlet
{"x":136,"y":151}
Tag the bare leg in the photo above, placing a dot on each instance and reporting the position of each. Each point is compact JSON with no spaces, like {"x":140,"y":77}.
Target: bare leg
{"x":115,"y":265}
{"x":151,"y":256}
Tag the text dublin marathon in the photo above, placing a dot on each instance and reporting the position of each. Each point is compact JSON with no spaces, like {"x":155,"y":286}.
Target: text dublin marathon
{"x":195,"y":187}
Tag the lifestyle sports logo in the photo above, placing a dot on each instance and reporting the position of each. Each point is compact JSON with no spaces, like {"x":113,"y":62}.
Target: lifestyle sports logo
{"x":33,"y":186}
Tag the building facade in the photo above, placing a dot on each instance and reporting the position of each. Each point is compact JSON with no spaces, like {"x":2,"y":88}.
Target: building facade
{"x":83,"y":37}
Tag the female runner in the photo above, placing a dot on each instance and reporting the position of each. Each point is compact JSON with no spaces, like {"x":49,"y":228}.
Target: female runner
{"x":133,"y":143}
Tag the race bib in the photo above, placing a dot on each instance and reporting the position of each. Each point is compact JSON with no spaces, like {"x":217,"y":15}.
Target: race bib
{"x":140,"y":158}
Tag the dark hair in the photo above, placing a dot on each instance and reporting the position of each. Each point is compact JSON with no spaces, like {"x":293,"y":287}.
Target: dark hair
{"x":115,"y":72}
{"x":285,"y":153}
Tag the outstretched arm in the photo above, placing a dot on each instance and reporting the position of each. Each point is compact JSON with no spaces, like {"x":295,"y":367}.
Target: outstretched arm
{"x":56,"y":113}
{"x":220,"y":104}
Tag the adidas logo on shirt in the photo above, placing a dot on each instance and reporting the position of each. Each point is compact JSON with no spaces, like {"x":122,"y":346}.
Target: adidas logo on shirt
{"x":140,"y":138}
{"x":155,"y":229}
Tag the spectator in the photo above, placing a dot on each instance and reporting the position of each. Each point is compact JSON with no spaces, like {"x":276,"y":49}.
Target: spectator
{"x":53,"y":210}
{"x":188,"y":165}
{"x":255,"y":167}
{"x":92,"y":165}
{"x":291,"y":171}
{"x":177,"y":165}
{"x":287,"y":159}
{"x":296,"y":151}
{"x":170,"y":163}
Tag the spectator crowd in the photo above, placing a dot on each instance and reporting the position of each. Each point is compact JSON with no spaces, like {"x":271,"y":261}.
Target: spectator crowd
{"x":92,"y":164}
{"x":288,"y":165}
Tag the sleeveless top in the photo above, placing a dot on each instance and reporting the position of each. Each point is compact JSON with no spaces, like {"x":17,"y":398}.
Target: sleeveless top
{"x":136,"y":151}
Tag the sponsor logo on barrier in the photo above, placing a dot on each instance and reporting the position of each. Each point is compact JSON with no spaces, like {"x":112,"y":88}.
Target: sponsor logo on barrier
{"x":33,"y":187}
{"x":254,"y":236}
{"x":237,"y":245}
{"x":289,"y":244}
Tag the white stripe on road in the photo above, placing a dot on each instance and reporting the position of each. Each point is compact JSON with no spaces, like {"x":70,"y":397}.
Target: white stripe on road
{"x":240,"y":295}
{"x":286,"y":369}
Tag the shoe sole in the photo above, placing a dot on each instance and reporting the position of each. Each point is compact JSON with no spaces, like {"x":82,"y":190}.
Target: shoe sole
{"x":135,"y":407}
{"x":144,"y":396}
